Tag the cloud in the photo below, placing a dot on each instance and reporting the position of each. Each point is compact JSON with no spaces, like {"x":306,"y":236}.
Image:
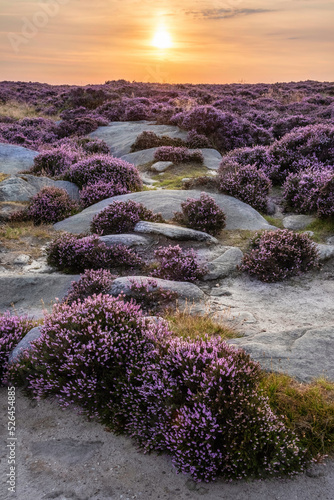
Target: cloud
{"x":226,"y":13}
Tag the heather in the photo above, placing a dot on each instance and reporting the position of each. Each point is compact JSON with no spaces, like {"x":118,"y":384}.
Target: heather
{"x":93,"y":193}
{"x":150,"y":296}
{"x":278,"y":255}
{"x":121,"y":217}
{"x":90,"y":282}
{"x":54,"y":162}
{"x":75,"y":253}
{"x":177,"y":264}
{"x":178,"y":155}
{"x":149,"y":139}
{"x":198,"y":401}
{"x":203,"y":214}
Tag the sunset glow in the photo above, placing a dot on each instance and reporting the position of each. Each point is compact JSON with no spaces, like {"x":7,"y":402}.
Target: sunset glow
{"x":162,"y":39}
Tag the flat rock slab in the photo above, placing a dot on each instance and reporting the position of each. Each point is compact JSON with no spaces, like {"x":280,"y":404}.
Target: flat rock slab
{"x":161,"y":166}
{"x":173,"y":232}
{"x":14,"y":159}
{"x":212,"y":158}
{"x":297,"y":222}
{"x":22,"y":188}
{"x":33,"y":294}
{"x":239,"y":215}
{"x":68,"y":451}
{"x":325,"y":251}
{"x":302,"y":353}
{"x":185,"y":291}
{"x":224,"y":265}
{"x":121,"y":135}
{"x":140,"y":157}
{"x":129,"y":240}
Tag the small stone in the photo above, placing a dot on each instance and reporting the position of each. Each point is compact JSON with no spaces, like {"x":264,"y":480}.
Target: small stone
{"x":21,"y":260}
{"x":316,"y":471}
{"x":330,"y":240}
{"x":220,"y":292}
{"x":297,"y":222}
{"x":161,"y":166}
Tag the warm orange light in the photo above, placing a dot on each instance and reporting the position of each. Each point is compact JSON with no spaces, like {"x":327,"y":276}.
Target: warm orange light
{"x":162,"y":39}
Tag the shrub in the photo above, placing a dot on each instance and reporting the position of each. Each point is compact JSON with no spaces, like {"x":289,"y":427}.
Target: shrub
{"x":178,"y":155}
{"x":147,"y":140}
{"x":195,"y":140}
{"x":281,"y":254}
{"x":51,"y":205}
{"x":178,"y":265}
{"x":91,"y":282}
{"x":93,"y":146}
{"x":311,"y":190}
{"x":196,"y":400}
{"x":246,"y":183}
{"x":203,"y":214}
{"x":150,"y":296}
{"x":12,"y":330}
{"x":93,"y":193}
{"x":121,"y":217}
{"x":105,"y":168}
{"x":55,"y":162}
{"x":74,"y":254}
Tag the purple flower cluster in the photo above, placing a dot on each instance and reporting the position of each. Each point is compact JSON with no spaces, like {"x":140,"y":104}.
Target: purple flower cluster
{"x":74,"y":254}
{"x":48,"y":206}
{"x":196,"y":140}
{"x":198,"y":401}
{"x":246,"y":183}
{"x":150,"y":296}
{"x":148,"y":139}
{"x":121,"y":217}
{"x":12,"y":330}
{"x":93,"y":193}
{"x":55,"y":162}
{"x":178,"y":155}
{"x":105,"y":168}
{"x":177,"y":264}
{"x":31,"y":133}
{"x":91,"y":282}
{"x":203,"y":214}
{"x":278,"y":255}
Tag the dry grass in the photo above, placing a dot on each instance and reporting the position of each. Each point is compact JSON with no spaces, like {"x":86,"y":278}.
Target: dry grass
{"x":236,"y":238}
{"x":3,"y":176}
{"x":26,"y":238}
{"x":18,"y":110}
{"x":308,"y":409}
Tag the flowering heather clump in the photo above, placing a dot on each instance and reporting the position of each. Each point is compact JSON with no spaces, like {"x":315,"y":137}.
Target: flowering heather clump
{"x":178,"y":265}
{"x":54,"y":162}
{"x":150,"y":296}
{"x":104,"y":168}
{"x":93,"y":193}
{"x":311,"y":191}
{"x":281,"y":254}
{"x":178,"y":155}
{"x":81,"y":125}
{"x":203,"y":214}
{"x":91,"y":282}
{"x":51,"y":205}
{"x":93,"y":146}
{"x":149,"y":139}
{"x":74,"y":254}
{"x":12,"y":330}
{"x":121,"y":217}
{"x":196,"y":400}
{"x":195,"y":140}
{"x":246,"y":183}
{"x":258,"y":156}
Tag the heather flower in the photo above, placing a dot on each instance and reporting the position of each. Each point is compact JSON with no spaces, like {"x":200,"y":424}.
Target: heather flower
{"x":55,"y":162}
{"x":93,"y":193}
{"x":91,"y":282}
{"x":178,"y":155}
{"x":50,"y":205}
{"x":177,"y":264}
{"x":148,"y":139}
{"x":202,"y":215}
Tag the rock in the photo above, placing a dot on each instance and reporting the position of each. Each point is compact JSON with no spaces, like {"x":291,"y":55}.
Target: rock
{"x":14,"y":159}
{"x":239,"y":215}
{"x":173,"y":232}
{"x":147,"y":180}
{"x":241,"y":317}
{"x":140,"y":157}
{"x":67,"y":451}
{"x":129,"y":240}
{"x":297,"y":222}
{"x":304,"y":353}
{"x":71,"y":188}
{"x":271,"y":207}
{"x":33,"y":293}
{"x":316,"y":471}
{"x":7,"y":209}
{"x":21,"y":260}
{"x":24,"y":344}
{"x":121,"y":135}
{"x":220,"y":292}
{"x":212,"y":158}
{"x":325,"y":251}
{"x":224,"y":265}
{"x":330,"y":240}
{"x":22,"y":188}
{"x":161,"y":166}
{"x":185,"y":291}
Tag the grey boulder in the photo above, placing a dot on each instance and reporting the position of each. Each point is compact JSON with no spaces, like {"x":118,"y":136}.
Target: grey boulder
{"x":173,"y":232}
{"x":297,"y":222}
{"x":161,"y":166}
{"x":212,"y":158}
{"x":24,"y":344}
{"x":224,"y":265}
{"x":22,"y":188}
{"x":14,"y":159}
{"x":325,"y":251}
{"x":140,"y":157}
{"x":128,"y":240}
{"x":184,"y":290}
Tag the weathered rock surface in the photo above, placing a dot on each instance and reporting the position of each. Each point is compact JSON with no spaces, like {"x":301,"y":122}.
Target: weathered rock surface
{"x":140,"y":157}
{"x":224,"y":265}
{"x":304,"y":353}
{"x":325,"y":251}
{"x":239,"y":215}
{"x":33,"y":294}
{"x":24,"y":344}
{"x":14,"y":159}
{"x":129,"y":240}
{"x":161,"y":166}
{"x":173,"y":232}
{"x":22,"y":188}
{"x":212,"y":158}
{"x":185,"y":291}
{"x":121,"y":135}
{"x":67,"y":451}
{"x":297,"y":222}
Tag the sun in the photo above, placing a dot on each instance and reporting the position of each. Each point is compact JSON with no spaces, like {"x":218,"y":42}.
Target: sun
{"x":162,"y":39}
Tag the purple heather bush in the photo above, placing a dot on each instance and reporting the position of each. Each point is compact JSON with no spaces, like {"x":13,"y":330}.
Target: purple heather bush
{"x":202,"y":214}
{"x":74,"y":254}
{"x":177,"y":264}
{"x":178,"y":155}
{"x":55,"y":162}
{"x":198,"y":401}
{"x":93,"y":193}
{"x":278,"y":255}
{"x":246,"y":183}
{"x":149,"y":139}
{"x":105,"y":168}
{"x":196,"y":140}
{"x":91,"y":282}
{"x":121,"y":217}
{"x":311,"y":191}
{"x":150,"y":296}
{"x":93,"y":146}
{"x":12,"y":330}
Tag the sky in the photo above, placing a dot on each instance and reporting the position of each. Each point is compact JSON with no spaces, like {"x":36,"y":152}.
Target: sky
{"x":218,"y":41}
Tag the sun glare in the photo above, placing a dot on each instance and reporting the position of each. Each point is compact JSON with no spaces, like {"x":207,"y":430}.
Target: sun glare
{"x":162,"y":39}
